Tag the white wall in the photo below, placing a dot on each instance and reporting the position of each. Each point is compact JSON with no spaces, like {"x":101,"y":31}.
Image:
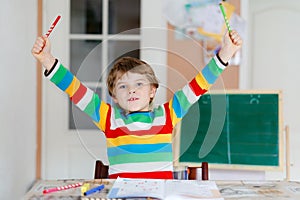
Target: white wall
{"x":17,"y":97}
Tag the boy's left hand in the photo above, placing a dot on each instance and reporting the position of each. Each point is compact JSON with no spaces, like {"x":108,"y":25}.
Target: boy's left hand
{"x":232,"y":42}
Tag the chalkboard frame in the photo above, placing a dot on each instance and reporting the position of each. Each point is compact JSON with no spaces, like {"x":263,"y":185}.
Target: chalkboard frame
{"x":279,"y":167}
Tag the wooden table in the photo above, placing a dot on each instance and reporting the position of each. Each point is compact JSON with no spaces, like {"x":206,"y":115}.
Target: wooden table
{"x":230,"y":190}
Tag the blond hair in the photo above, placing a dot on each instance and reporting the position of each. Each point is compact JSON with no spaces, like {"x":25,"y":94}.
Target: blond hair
{"x":129,"y":64}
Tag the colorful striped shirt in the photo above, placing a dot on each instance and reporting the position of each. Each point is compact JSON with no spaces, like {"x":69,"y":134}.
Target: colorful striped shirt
{"x":139,"y":144}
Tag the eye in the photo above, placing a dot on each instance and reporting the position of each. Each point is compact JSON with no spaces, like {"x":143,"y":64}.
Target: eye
{"x":139,"y":84}
{"x":122,"y":86}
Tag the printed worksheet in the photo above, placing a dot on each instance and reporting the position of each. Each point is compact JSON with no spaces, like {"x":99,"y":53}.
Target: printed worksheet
{"x":164,"y":189}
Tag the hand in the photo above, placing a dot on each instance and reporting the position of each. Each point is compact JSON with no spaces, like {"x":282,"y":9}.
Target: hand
{"x":232,"y":42}
{"x":41,"y":50}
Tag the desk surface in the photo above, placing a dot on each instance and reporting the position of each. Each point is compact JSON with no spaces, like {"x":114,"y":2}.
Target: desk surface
{"x":230,"y":190}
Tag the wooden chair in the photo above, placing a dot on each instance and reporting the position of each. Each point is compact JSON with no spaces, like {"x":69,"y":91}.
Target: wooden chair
{"x":101,"y":170}
{"x":192,"y":172}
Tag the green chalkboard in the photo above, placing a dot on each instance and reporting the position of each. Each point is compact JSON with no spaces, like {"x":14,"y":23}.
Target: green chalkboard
{"x":238,"y":128}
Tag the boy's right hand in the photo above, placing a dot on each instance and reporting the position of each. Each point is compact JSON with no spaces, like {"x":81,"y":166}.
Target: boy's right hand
{"x":41,"y":50}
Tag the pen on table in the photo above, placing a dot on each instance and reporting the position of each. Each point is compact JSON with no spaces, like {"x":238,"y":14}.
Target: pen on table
{"x":56,"y":189}
{"x":225,"y":17}
{"x":93,"y":190}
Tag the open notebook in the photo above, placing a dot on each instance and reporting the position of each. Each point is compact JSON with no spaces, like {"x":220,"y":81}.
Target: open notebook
{"x":164,"y":189}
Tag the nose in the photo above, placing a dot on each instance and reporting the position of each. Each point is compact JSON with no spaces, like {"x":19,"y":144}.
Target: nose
{"x":132,"y":90}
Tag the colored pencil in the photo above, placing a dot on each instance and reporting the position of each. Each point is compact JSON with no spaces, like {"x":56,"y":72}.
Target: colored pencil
{"x":53,"y":25}
{"x":225,"y":17}
{"x":66,"y":187}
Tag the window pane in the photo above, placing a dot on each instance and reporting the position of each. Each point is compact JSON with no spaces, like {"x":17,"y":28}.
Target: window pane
{"x":123,"y":16}
{"x":86,"y":61}
{"x":86,"y":16}
{"x":117,"y":49}
{"x":86,"y":58}
{"x":78,"y":119}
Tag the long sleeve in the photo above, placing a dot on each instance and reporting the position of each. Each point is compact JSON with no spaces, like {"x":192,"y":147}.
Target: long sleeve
{"x":84,"y":98}
{"x":183,"y":99}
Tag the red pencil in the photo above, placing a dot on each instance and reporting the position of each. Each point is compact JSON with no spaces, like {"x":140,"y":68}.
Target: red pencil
{"x":56,"y":189}
{"x":53,"y":25}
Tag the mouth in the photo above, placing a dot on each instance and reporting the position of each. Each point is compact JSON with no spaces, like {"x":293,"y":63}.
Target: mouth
{"x":133,"y":99}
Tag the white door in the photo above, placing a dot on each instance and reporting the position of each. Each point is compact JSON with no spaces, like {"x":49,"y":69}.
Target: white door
{"x":273,"y":59}
{"x":71,"y":153}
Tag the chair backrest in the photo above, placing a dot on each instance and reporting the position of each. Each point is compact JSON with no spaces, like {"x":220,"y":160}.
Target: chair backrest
{"x":101,"y":170}
{"x":192,"y":172}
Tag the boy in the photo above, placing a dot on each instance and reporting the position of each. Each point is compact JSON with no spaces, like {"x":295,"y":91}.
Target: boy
{"x":139,"y":137}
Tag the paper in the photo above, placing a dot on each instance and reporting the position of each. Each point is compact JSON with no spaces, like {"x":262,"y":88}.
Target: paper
{"x":213,"y":24}
{"x":174,"y":12}
{"x":202,"y":19}
{"x":123,"y":188}
{"x":164,"y":189}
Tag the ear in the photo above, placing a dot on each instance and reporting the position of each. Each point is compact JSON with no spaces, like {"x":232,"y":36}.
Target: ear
{"x":153,"y":91}
{"x":114,"y":99}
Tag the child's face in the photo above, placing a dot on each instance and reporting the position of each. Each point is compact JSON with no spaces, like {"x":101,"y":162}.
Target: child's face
{"x":133,"y":92}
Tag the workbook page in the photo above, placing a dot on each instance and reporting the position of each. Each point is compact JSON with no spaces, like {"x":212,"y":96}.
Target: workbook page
{"x":191,"y":189}
{"x":128,"y":188}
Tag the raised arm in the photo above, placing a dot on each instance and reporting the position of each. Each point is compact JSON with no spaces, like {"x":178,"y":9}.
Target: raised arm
{"x":183,"y":99}
{"x":84,"y":98}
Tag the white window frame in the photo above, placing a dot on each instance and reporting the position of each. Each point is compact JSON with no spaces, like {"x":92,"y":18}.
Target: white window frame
{"x":150,"y":24}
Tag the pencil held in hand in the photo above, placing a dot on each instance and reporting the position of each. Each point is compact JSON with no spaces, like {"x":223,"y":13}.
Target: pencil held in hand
{"x":225,"y":17}
{"x":53,"y":25}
